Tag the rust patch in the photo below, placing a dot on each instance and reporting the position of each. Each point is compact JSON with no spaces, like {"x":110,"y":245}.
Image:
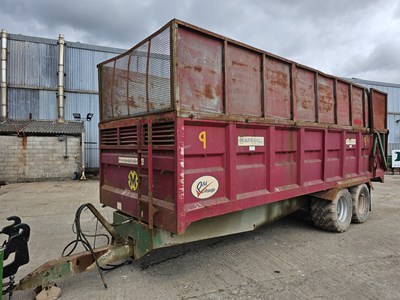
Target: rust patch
{"x":198,"y":94}
{"x":197,"y":68}
{"x":325,"y":104}
{"x":305,"y":104}
{"x":208,"y":91}
{"x":237,"y":63}
{"x":279,"y":78}
{"x":131,"y":101}
{"x":23,"y":151}
{"x":24,"y":142}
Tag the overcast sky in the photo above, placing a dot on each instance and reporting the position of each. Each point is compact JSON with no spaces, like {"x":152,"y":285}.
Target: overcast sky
{"x":349,"y":38}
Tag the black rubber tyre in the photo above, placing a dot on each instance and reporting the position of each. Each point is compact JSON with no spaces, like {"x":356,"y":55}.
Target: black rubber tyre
{"x":361,"y":203}
{"x":334,"y":215}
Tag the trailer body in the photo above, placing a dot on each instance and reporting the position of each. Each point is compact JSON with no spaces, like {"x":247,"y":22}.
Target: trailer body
{"x":196,"y":126}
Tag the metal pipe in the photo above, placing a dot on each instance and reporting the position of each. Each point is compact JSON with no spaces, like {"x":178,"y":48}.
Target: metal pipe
{"x":60,"y":94}
{"x":3,"y":75}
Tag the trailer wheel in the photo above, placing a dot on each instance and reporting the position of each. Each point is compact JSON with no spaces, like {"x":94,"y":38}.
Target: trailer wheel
{"x":361,"y":203}
{"x":333,"y":215}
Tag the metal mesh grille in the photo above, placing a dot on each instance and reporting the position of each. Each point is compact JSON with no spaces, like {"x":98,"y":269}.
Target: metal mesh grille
{"x":106,"y":73}
{"x":159,"y":72}
{"x":138,"y":82}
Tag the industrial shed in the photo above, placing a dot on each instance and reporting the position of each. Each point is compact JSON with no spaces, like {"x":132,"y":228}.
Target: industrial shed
{"x":39,"y":84}
{"x":40,"y":150}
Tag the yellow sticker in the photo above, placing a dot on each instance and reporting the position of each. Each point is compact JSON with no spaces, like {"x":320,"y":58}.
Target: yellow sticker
{"x":133,"y":180}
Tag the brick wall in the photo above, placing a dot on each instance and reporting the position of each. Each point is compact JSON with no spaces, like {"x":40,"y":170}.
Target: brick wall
{"x":36,"y":158}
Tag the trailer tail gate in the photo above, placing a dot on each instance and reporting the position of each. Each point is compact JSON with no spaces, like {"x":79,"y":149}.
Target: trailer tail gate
{"x":195,"y":125}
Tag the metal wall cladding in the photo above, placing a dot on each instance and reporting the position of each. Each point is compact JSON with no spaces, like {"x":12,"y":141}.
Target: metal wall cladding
{"x":32,"y":83}
{"x":81,"y":68}
{"x":32,"y":64}
{"x":26,"y":103}
{"x":84,"y":104}
{"x":22,"y":102}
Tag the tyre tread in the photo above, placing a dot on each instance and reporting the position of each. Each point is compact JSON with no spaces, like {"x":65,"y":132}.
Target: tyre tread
{"x":324,"y":214}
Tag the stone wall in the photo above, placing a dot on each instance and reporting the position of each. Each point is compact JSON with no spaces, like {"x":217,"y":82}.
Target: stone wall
{"x":36,"y":158}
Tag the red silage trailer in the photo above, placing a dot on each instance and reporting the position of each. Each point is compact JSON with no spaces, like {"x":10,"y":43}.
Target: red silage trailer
{"x":203,"y":136}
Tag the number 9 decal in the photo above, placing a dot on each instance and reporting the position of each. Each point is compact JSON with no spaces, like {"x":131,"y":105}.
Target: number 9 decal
{"x":203,"y":139}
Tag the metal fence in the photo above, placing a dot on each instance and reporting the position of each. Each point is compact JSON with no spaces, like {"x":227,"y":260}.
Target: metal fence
{"x":32,"y":66}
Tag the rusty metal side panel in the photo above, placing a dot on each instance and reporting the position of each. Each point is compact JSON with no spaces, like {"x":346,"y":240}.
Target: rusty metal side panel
{"x":351,"y":159}
{"x":334,"y":157}
{"x":343,"y":103}
{"x":357,"y":106}
{"x":243,"y":81}
{"x":305,"y":92}
{"x":200,"y":77}
{"x":379,"y":110}
{"x":231,"y":166}
{"x":122,"y":180}
{"x":277,"y":88}
{"x":313,"y":157}
{"x":286,"y":158}
{"x":326,"y":107}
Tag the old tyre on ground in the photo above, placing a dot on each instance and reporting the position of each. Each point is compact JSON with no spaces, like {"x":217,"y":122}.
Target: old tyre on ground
{"x":333,"y":215}
{"x":361,"y":203}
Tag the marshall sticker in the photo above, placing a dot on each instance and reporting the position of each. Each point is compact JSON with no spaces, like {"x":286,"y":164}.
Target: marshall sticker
{"x":205,"y":187}
{"x":129,"y":160}
{"x":351,"y":142}
{"x":250,"y":141}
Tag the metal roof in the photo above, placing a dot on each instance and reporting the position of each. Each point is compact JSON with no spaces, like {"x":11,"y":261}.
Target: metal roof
{"x":22,"y":127}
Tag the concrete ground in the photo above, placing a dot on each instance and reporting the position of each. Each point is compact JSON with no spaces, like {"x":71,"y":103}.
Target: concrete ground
{"x":290,"y":259}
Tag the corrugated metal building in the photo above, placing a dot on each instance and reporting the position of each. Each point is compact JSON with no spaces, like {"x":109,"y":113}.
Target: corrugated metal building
{"x":32,"y":70}
{"x":393,"y":118}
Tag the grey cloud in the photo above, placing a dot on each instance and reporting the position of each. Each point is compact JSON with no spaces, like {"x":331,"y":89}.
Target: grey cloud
{"x":341,"y":37}
{"x":383,"y":60}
